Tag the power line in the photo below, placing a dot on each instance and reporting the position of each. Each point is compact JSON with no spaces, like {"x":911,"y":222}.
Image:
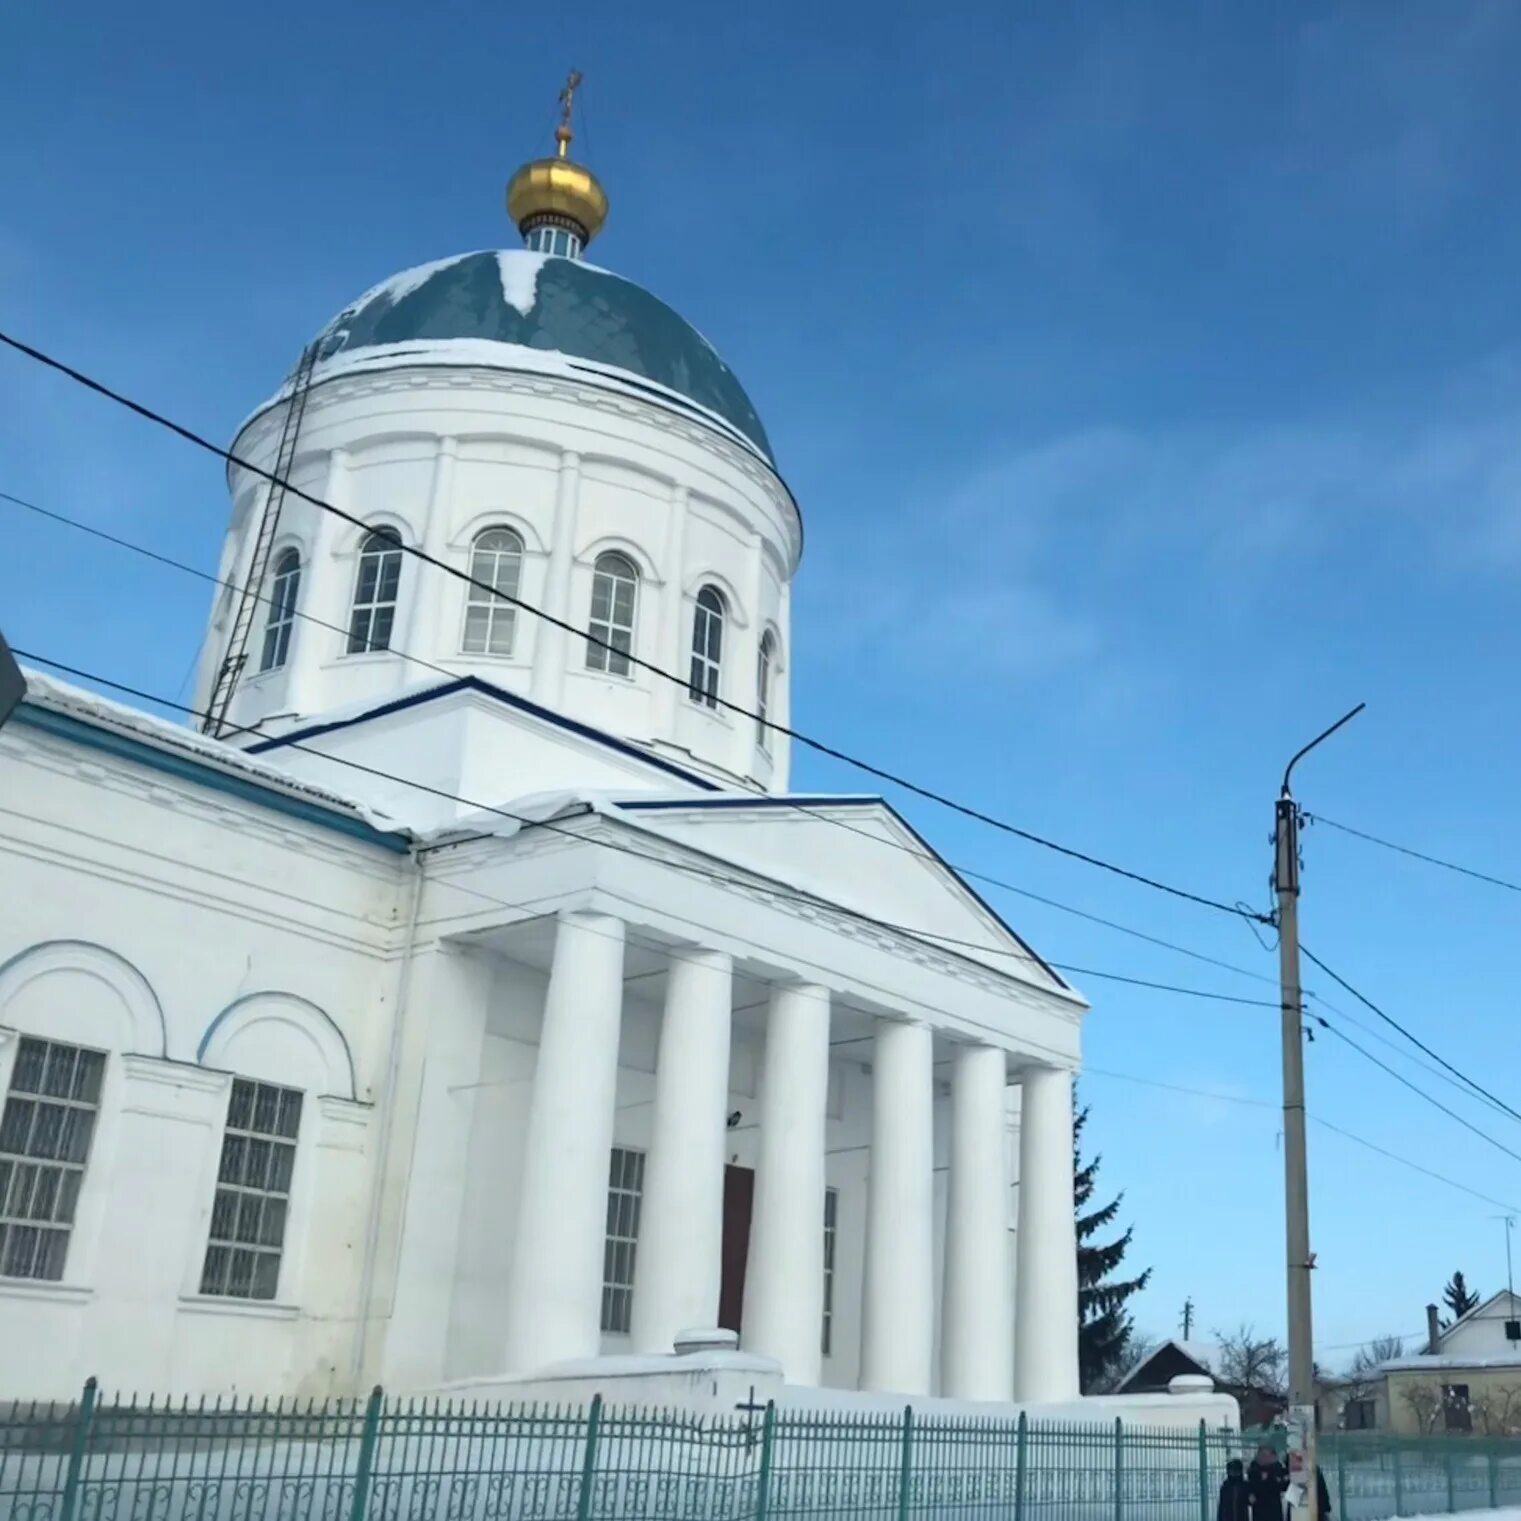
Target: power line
{"x":1414,"y":1039}
{"x":883,"y":774}
{"x":1255,"y":1103}
{"x":1419,"y":855}
{"x":812,"y":814}
{"x":781,"y":891}
{"x":1405,"y":1082}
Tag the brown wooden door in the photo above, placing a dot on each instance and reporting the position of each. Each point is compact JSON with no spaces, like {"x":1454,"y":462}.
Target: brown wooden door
{"x":739,"y":1195}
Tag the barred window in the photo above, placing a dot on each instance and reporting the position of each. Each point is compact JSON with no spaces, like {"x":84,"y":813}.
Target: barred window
{"x":496,"y":561}
{"x":377,"y":585}
{"x":45,"y":1135}
{"x":831,"y":1214}
{"x":284,"y":587}
{"x":253,"y":1191}
{"x":615,"y":590}
{"x":707,"y":647}
{"x":625,"y":1190}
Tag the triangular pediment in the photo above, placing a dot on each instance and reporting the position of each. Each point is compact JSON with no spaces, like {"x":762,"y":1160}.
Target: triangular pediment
{"x":857,"y":852}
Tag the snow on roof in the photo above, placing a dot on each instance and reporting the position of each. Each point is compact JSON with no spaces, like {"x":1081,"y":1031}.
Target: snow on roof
{"x":1203,"y":1354}
{"x":1426,"y":1363}
{"x":88,"y":707}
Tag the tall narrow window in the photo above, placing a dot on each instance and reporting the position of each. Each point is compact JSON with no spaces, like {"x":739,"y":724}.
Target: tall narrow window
{"x":625,"y":1191}
{"x":496,"y":561}
{"x":707,"y":647}
{"x":615,"y":586}
{"x":284,"y":587}
{"x":765,"y":673}
{"x":375,"y":590}
{"x":45,"y":1134}
{"x":253,"y":1191}
{"x":831,"y":1214}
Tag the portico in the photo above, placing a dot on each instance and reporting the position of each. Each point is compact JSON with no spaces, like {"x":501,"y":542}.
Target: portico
{"x":752,"y":1066}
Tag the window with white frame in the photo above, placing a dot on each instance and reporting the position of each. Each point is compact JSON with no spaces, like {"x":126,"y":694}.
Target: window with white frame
{"x":765,"y":674}
{"x":707,"y":647}
{"x":831,"y":1215}
{"x":45,"y":1133}
{"x":284,"y":587}
{"x":252,"y":1204}
{"x":615,"y":589}
{"x":496,"y":562}
{"x":554,"y":240}
{"x":625,"y":1191}
{"x":376,"y":586}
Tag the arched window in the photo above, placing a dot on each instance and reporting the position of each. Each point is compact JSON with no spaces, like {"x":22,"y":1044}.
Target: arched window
{"x":496,"y":560}
{"x":375,"y":589}
{"x":765,"y":674}
{"x":615,"y":585}
{"x":284,"y":586}
{"x":707,"y":647}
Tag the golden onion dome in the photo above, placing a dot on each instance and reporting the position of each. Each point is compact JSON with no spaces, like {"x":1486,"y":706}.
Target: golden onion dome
{"x":551,"y":193}
{"x":549,"y":189}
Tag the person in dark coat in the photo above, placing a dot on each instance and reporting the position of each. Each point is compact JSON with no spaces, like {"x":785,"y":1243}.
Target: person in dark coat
{"x":1266,"y":1481}
{"x":1235,"y":1497}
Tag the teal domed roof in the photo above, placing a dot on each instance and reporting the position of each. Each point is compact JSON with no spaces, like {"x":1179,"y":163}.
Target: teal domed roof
{"x":556,"y":305}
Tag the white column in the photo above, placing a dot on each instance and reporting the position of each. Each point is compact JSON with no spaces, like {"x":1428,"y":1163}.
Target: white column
{"x":977,"y":1336}
{"x":553,"y":647}
{"x":784,"y":1273}
{"x":746,"y":652}
{"x":679,"y":1263}
{"x":326,"y":590}
{"x":669,"y":651}
{"x":1045,"y":1305}
{"x":897,"y":1310}
{"x":554,"y":1283}
{"x":435,"y":622}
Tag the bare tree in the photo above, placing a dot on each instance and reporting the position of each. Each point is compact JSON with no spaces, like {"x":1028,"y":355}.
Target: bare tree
{"x":1137,"y":1350}
{"x":1425,"y":1403}
{"x":1496,"y":1411}
{"x":1250,"y":1361}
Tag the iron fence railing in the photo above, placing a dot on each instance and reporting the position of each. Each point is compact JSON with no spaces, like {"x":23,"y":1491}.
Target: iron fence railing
{"x":427,"y":1460}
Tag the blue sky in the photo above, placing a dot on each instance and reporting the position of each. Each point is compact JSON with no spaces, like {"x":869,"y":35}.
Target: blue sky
{"x":1150,"y":378}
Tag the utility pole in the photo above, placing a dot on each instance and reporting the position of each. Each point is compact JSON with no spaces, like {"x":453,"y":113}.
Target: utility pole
{"x":1301,"y":1261}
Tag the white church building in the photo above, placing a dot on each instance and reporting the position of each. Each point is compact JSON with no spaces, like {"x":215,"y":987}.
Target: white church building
{"x":472,"y":1005}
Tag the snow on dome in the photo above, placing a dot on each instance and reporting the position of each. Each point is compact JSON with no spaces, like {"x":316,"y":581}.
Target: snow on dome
{"x":520,"y":278}
{"x":535,"y":301}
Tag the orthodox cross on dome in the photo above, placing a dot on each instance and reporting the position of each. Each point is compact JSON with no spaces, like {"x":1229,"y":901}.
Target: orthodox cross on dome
{"x":563,"y":133}
{"x":558,"y":204}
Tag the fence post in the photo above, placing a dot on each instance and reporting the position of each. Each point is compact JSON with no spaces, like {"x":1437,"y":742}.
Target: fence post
{"x":763,"y":1488}
{"x":1119,"y":1469}
{"x":1203,"y":1473}
{"x":1451,"y":1494}
{"x":1399,"y":1487}
{"x":1021,"y":1451}
{"x":77,"y":1451}
{"x":1494,"y":1480}
{"x":1341,"y":1478}
{"x":906,"y":1465}
{"x":366,"y":1465}
{"x":589,"y":1461}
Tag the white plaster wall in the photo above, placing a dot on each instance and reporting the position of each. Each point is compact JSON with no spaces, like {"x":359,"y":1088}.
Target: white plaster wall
{"x":1483,"y":1335}
{"x":135,"y":908}
{"x":441,"y":454}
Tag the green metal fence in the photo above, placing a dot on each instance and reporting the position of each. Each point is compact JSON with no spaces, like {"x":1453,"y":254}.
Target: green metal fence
{"x":406,"y":1460}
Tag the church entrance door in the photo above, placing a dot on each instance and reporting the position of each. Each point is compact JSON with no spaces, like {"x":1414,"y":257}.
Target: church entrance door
{"x":739,"y":1196}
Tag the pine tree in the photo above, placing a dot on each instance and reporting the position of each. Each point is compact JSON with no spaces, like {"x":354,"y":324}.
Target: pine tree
{"x":1104,"y":1326}
{"x":1459,"y":1298}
